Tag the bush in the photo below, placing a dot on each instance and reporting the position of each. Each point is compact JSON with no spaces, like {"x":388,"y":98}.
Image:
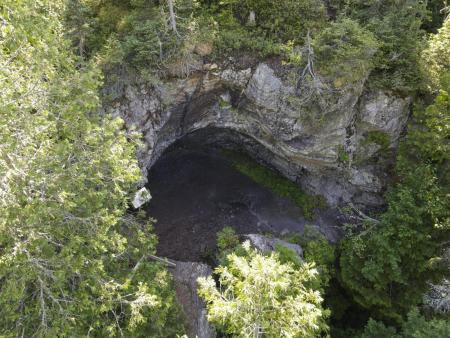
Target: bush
{"x":378,"y":137}
{"x":436,"y":57}
{"x":227,"y":243}
{"x":397,"y":27}
{"x":322,"y":253}
{"x":73,"y":262}
{"x":257,"y":293}
{"x":415,"y":326}
{"x":286,"y":255}
{"x":345,"y":52}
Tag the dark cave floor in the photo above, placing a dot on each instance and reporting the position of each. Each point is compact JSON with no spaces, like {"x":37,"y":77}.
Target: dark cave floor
{"x":197,"y":192}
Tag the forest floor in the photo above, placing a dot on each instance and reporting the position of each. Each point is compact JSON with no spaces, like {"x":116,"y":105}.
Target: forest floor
{"x":197,"y":192}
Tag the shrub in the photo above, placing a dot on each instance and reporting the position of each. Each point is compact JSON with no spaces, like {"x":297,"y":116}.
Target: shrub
{"x":323,"y":254}
{"x":227,"y":243}
{"x":286,"y":255}
{"x":397,"y":27}
{"x":436,"y":57}
{"x":345,"y":52}
{"x":259,"y":294}
{"x":415,"y":326}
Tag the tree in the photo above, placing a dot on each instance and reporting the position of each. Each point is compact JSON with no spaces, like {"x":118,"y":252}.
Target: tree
{"x":173,"y":22}
{"x":397,"y":27}
{"x":387,"y":266}
{"x":345,"y":52}
{"x":415,"y":326}
{"x":259,"y":295}
{"x":436,"y":58}
{"x":72,"y":262}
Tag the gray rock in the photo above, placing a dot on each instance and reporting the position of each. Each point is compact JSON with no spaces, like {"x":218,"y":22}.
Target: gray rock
{"x":264,"y":87}
{"x":236,"y":78}
{"x":185,"y":275}
{"x":269,"y":122}
{"x":266,"y":244}
{"x":365,"y":180}
{"x":384,"y":112}
{"x":141,"y":197}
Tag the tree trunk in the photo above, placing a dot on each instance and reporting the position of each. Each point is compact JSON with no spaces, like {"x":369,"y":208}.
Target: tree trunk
{"x":173,"y":22}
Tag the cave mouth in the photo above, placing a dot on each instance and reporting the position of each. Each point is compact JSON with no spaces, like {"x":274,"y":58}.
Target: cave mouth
{"x":197,"y":191}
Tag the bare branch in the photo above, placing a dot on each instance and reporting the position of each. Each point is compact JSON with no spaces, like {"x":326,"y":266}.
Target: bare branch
{"x":163,"y":260}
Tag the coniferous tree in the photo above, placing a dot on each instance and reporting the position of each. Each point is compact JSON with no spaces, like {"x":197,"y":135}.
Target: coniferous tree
{"x":72,"y":263}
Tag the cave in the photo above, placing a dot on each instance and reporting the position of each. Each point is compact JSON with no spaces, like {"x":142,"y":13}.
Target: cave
{"x":197,"y":190}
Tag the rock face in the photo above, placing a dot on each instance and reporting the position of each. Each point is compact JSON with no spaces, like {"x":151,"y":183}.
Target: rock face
{"x":266,"y":244}
{"x":185,"y":275}
{"x":310,"y":139}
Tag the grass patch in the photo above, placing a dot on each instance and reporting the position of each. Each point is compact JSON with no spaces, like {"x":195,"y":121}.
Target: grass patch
{"x":277,"y":183}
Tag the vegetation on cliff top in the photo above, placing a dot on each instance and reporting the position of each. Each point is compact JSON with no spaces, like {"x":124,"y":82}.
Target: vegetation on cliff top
{"x":73,"y":261}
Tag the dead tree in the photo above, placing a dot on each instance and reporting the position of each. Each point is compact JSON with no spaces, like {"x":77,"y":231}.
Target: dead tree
{"x":173,"y":21}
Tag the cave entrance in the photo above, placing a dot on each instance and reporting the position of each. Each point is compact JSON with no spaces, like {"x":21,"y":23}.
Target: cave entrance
{"x":197,"y":190}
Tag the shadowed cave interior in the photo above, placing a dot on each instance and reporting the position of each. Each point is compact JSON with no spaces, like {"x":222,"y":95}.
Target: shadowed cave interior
{"x":196,"y":191}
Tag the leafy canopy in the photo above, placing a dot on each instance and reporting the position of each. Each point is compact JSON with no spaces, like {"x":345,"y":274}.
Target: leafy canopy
{"x":387,"y":267}
{"x":72,"y":263}
{"x":415,"y":326}
{"x":257,"y":293}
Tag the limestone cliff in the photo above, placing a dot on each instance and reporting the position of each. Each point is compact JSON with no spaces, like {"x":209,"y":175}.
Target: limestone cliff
{"x":323,"y":142}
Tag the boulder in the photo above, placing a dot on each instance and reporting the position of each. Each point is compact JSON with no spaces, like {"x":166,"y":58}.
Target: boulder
{"x":141,"y":197}
{"x":267,"y":244}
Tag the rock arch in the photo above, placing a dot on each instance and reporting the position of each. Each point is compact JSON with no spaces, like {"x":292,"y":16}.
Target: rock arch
{"x":253,"y":104}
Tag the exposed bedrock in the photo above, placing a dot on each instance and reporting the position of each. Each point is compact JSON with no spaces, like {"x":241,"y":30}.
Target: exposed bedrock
{"x":185,"y":277}
{"x":324,"y":144}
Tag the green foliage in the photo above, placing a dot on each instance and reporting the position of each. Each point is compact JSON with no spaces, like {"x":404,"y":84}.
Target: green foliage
{"x":137,"y":29}
{"x":344,"y":51}
{"x":436,"y":57}
{"x":436,"y":16}
{"x":310,"y":233}
{"x":375,"y":329}
{"x":279,"y":184}
{"x":230,"y":36}
{"x":415,"y":326}
{"x":397,"y":27}
{"x":227,"y":243}
{"x":428,"y":142}
{"x":378,"y":137}
{"x":72,"y":263}
{"x":394,"y":278}
{"x":145,"y":42}
{"x":387,"y":266}
{"x":227,"y":239}
{"x":342,"y":155}
{"x":286,"y":255}
{"x":259,"y":294}
{"x":317,"y":250}
{"x":276,"y":24}
{"x":344,"y":47}
{"x":323,"y":254}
